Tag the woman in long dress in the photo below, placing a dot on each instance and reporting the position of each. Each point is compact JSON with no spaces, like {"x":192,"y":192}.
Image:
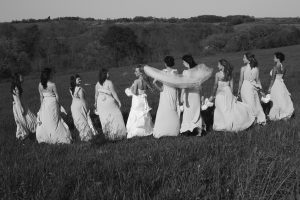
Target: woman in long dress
{"x":249,"y":86}
{"x":191,"y":99}
{"x":51,"y":127}
{"x":25,"y":120}
{"x":282,"y":107}
{"x":229,"y":114}
{"x":80,"y":111}
{"x":167,"y":122}
{"x":108,"y":108}
{"x":139,"y":121}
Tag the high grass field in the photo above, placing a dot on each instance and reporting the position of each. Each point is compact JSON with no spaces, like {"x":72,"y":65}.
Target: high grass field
{"x":260,"y":163}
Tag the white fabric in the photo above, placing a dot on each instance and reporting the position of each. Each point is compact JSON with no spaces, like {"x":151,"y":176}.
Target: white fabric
{"x":167,"y":122}
{"x":249,"y":94}
{"x":139,"y":121}
{"x":198,"y":75}
{"x":110,"y":116}
{"x":282,"y":107}
{"x":230,"y":114}
{"x":26,"y":122}
{"x":81,"y":116}
{"x":51,"y":127}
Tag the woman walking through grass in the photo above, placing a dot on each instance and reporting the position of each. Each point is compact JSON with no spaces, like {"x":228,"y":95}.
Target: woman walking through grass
{"x":25,"y":120}
{"x":139,"y":121}
{"x":51,"y":127}
{"x":229,"y":114}
{"x":108,"y":105}
{"x":249,"y":86}
{"x":282,"y":107}
{"x":80,"y":111}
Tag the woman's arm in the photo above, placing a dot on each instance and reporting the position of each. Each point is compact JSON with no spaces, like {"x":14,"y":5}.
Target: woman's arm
{"x":258,"y":80}
{"x":182,"y":96}
{"x":231,"y":84}
{"x":134,"y":88}
{"x":213,"y":94}
{"x":241,"y":80}
{"x":96,"y":95}
{"x":81,"y":93}
{"x":55,"y":92}
{"x":159,"y":88}
{"x":113,"y":92}
{"x":274,"y":71}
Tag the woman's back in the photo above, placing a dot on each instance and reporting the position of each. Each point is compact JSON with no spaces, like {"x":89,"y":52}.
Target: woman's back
{"x":250,"y":74}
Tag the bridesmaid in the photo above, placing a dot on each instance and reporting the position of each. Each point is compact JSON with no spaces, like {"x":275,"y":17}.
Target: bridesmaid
{"x":191,"y":99}
{"x":51,"y":127}
{"x":25,"y":120}
{"x":108,"y":106}
{"x":79,"y":109}
{"x":249,"y":86}
{"x":229,"y":114}
{"x":167,"y":121}
{"x":282,"y":107}
{"x":139,"y":121}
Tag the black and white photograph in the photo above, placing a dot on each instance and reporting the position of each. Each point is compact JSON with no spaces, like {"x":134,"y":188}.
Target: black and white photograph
{"x":150,"y":99}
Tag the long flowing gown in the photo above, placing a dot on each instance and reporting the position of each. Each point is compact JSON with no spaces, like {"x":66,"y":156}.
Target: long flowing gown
{"x":282,"y":107}
{"x":111,"y":118}
{"x":167,"y":122}
{"x":81,"y":117}
{"x":139,"y":122}
{"x":249,"y":93}
{"x":230,"y":114}
{"x":26,"y":122}
{"x":191,"y":108}
{"x":51,"y":127}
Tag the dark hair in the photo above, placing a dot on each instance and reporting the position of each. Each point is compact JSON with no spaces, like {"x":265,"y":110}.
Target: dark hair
{"x":279,"y":56}
{"x":169,"y":60}
{"x":45,"y":76}
{"x":16,"y":83}
{"x":102,"y":75}
{"x":251,"y":57}
{"x":190,"y":60}
{"x":227,"y":69}
{"x":73,"y":82}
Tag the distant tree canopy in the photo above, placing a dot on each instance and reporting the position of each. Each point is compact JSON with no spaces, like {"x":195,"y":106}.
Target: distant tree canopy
{"x":73,"y":43}
{"x":122,"y":43}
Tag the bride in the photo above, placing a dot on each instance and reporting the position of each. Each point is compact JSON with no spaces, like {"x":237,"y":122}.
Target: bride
{"x":139,"y":121}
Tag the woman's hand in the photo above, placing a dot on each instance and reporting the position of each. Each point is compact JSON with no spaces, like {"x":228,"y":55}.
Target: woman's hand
{"x":211,"y":99}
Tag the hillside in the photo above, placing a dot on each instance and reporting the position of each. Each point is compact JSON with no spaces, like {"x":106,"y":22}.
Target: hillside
{"x":259,"y":163}
{"x":70,"y":44}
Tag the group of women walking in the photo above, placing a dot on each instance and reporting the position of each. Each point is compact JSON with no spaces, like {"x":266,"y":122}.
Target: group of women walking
{"x":230,"y":114}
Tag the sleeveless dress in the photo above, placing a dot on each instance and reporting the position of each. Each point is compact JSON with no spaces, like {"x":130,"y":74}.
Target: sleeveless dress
{"x":110,"y":116}
{"x":191,"y":108}
{"x":26,"y":122}
{"x":139,"y":121}
{"x":282,"y":107}
{"x":167,"y":122}
{"x":230,"y":114}
{"x":249,"y":93}
{"x":81,"y":116}
{"x":51,"y":127}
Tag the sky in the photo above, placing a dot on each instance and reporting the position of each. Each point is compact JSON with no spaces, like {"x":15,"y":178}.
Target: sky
{"x":103,"y":9}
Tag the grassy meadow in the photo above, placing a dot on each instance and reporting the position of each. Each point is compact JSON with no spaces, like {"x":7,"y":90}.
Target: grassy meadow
{"x":259,"y":163}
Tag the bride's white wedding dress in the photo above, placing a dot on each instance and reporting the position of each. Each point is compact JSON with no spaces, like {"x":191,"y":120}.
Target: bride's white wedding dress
{"x":139,"y":121}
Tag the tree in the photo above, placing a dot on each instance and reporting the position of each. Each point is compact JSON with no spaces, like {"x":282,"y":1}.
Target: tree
{"x":122,"y":42}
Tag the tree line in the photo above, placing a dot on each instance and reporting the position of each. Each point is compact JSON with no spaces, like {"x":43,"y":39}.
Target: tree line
{"x":231,"y":19}
{"x":71,"y":45}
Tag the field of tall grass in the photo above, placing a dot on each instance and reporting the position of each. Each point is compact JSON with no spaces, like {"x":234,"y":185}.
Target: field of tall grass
{"x":260,"y":163}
